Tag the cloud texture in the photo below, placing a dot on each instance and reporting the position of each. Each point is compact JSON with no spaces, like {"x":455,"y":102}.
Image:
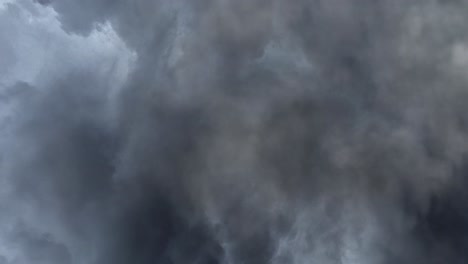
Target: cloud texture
{"x":233,"y":131}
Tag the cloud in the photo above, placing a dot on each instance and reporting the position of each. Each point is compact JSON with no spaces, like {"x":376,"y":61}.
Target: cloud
{"x":213,"y":131}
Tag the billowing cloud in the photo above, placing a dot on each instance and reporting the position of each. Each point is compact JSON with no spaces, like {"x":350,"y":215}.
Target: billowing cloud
{"x":222,"y":131}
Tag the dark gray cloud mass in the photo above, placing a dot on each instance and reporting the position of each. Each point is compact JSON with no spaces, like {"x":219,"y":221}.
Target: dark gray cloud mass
{"x":233,"y":131}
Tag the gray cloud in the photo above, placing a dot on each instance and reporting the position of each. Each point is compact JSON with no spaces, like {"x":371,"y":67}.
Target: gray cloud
{"x":209,"y":131}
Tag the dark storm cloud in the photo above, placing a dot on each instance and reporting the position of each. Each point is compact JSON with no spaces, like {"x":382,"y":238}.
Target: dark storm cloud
{"x":247,"y":132}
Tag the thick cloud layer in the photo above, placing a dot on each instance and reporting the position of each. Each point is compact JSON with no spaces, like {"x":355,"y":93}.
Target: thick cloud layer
{"x":233,"y":131}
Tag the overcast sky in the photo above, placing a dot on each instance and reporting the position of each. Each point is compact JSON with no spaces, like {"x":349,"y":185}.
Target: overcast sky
{"x":233,"y":131}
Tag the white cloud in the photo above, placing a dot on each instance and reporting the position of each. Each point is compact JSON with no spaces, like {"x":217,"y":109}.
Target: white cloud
{"x":41,"y":48}
{"x":36,"y":50}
